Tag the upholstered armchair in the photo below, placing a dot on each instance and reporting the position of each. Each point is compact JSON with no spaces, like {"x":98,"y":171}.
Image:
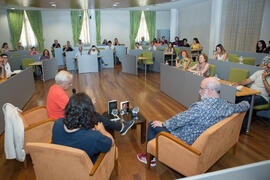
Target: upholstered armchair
{"x":54,"y":162}
{"x":209,"y":147}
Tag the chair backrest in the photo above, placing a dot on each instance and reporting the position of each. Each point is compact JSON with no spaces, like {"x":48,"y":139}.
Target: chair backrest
{"x":212,"y":70}
{"x":15,"y":55}
{"x":53,"y":162}
{"x":26,"y":62}
{"x":249,"y":61}
{"x":218,"y":139}
{"x":176,"y":50}
{"x":148,"y":55}
{"x":237,"y":75}
{"x":234,"y":59}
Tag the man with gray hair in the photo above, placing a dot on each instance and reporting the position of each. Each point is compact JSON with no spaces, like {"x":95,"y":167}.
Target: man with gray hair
{"x":190,"y":124}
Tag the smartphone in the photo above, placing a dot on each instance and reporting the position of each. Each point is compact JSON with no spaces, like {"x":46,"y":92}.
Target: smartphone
{"x":112,"y":105}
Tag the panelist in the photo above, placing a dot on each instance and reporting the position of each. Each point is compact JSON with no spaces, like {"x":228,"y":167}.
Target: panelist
{"x":202,"y":68}
{"x":57,"y":100}
{"x":200,"y":116}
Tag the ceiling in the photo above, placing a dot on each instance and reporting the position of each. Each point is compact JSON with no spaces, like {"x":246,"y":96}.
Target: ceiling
{"x":80,"y":4}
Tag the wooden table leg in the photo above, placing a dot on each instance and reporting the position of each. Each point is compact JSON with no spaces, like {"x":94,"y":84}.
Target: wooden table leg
{"x":143,"y":132}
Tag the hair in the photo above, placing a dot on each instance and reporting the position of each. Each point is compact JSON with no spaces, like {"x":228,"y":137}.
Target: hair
{"x":184,"y":39}
{"x":63,"y":76}
{"x":196,"y":40}
{"x":5,"y":43}
{"x":109,"y":42}
{"x":137,"y":43}
{"x":263,"y":45}
{"x":221,"y":48}
{"x":184,"y":50}
{"x":171,"y":44}
{"x":205,"y":57}
{"x":266,"y":60}
{"x":214,"y":85}
{"x":80,"y":112}
{"x":32,"y":48}
{"x":105,"y":41}
{"x":2,"y":55}
{"x":45,"y":51}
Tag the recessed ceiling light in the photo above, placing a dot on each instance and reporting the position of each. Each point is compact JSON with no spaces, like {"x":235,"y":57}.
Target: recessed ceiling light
{"x":116,"y":4}
{"x":53,"y":5}
{"x":52,"y":2}
{"x":12,"y":8}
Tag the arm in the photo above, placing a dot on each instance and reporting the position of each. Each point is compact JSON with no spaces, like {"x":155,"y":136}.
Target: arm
{"x":265,"y":82}
{"x":192,"y":68}
{"x":205,"y":69}
{"x":244,"y":82}
{"x":89,"y":51}
{"x":225,"y":57}
{"x":215,"y":55}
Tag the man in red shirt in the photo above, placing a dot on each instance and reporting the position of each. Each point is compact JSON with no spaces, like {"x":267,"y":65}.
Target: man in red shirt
{"x":57,"y":100}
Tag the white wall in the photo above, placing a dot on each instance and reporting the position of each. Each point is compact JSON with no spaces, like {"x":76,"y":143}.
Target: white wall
{"x":56,"y":25}
{"x":265,"y":30}
{"x":4,"y":29}
{"x":194,"y":21}
{"x":163,"y":20}
{"x":115,"y":24}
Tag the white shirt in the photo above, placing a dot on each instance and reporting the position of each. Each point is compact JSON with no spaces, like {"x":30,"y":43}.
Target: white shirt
{"x":220,"y":58}
{"x":108,"y":47}
{"x":8,"y":69}
{"x":94,"y":52}
{"x":80,"y":45}
{"x":152,"y":48}
{"x":140,"y":47}
{"x":258,"y":84}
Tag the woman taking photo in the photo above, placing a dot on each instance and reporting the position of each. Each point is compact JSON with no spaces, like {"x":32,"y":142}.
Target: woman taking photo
{"x":183,"y":60}
{"x":260,"y":47}
{"x":202,"y":68}
{"x":220,"y":53}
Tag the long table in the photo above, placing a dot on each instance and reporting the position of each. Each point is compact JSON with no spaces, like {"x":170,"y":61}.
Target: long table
{"x":16,"y":90}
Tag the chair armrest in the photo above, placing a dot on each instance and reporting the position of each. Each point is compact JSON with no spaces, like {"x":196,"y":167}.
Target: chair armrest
{"x":34,"y":115}
{"x":178,"y":141}
{"x":38,"y":124}
{"x":97,"y":163}
{"x":34,"y":109}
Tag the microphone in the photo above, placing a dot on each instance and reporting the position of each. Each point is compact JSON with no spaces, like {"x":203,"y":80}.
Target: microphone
{"x":73,"y":91}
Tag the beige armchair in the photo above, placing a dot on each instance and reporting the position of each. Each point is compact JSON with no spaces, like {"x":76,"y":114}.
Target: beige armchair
{"x":56,"y":162}
{"x":204,"y":152}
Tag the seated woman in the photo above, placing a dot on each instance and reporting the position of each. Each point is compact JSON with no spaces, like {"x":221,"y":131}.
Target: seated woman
{"x":5,"y":47}
{"x":105,"y":43}
{"x":261,"y":47}
{"x":196,"y":48}
{"x":202,"y":68}
{"x":183,"y":60}
{"x":116,"y":42}
{"x":137,"y":46}
{"x":80,"y":128}
{"x":45,"y":55}
{"x":158,"y":43}
{"x":220,"y":53}
{"x":168,"y":52}
{"x":185,"y":43}
{"x":152,"y":47}
{"x":177,"y":42}
{"x":33,"y":51}
{"x":2,"y":68}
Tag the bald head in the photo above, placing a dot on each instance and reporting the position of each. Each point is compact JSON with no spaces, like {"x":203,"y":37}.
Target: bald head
{"x":210,"y":87}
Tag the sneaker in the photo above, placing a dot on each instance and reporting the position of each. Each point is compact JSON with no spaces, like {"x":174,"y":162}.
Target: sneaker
{"x":142,"y":157}
{"x":127,"y":126}
{"x":105,"y":64}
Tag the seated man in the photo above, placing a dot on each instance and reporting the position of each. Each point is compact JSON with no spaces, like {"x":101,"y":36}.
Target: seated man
{"x":80,"y":128}
{"x":142,"y":42}
{"x":6,"y":64}
{"x":190,"y":124}
{"x":57,"y":100}
{"x":95,"y":51}
{"x":259,"y":81}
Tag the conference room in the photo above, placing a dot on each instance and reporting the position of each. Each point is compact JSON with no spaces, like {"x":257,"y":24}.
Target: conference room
{"x":106,"y":89}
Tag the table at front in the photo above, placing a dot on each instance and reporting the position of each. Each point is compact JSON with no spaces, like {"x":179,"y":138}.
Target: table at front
{"x":144,"y":59}
{"x":140,"y":121}
{"x":169,"y":54}
{"x":245,"y":91}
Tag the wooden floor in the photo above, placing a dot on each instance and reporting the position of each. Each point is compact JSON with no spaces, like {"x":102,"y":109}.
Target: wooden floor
{"x":143,"y":92}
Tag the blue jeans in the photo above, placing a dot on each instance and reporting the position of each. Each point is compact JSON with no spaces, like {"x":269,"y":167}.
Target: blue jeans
{"x":264,"y":113}
{"x":152,"y":132}
{"x":258,"y":100}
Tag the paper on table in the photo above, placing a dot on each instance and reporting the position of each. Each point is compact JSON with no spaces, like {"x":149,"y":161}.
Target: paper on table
{"x":239,"y":87}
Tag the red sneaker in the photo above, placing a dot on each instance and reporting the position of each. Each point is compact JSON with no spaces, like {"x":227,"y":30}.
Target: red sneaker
{"x":142,"y":157}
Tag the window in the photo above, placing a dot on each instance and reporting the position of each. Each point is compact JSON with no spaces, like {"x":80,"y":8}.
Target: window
{"x":28,"y":38}
{"x":85,"y":36}
{"x":143,"y":31}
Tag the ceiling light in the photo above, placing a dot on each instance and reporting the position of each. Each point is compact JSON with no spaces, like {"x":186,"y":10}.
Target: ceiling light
{"x":12,"y":8}
{"x":116,"y":4}
{"x":53,"y":5}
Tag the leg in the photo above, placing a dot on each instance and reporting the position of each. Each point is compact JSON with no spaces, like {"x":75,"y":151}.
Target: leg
{"x":152,"y":132}
{"x":109,"y":125}
{"x":149,"y":158}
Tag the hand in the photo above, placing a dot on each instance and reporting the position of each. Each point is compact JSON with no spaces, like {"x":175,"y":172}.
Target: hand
{"x":235,"y":84}
{"x":155,"y":124}
{"x":265,"y":74}
{"x":99,"y":127}
{"x":94,"y":100}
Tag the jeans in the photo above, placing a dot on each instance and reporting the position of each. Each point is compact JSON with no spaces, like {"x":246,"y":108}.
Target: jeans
{"x":258,"y":100}
{"x":108,"y":124}
{"x":152,"y":132}
{"x":264,"y":113}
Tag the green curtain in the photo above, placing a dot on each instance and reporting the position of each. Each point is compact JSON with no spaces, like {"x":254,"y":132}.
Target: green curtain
{"x":135,"y":17}
{"x":36,"y":24}
{"x":76,"y":21}
{"x":15,"y":21}
{"x":98,"y":27}
{"x":150,"y":17}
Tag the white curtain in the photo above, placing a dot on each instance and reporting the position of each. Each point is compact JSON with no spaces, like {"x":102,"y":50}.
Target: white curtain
{"x":143,"y":31}
{"x":85,"y":36}
{"x":243,"y":24}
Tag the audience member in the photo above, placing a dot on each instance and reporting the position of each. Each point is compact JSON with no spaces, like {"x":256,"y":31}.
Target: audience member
{"x":163,"y":40}
{"x":33,"y":51}
{"x":152,"y":47}
{"x":57,"y":100}
{"x":94,"y":50}
{"x":5,"y":47}
{"x":190,"y":124}
{"x":158,"y":43}
{"x":2,"y":68}
{"x":168,"y":52}
{"x":80,"y":128}
{"x":6,"y":64}
{"x":137,"y":46}
{"x":80,"y":52}
{"x":80,"y":44}
{"x":19,"y":47}
{"x":142,"y":42}
{"x":220,"y":53}
{"x":185,"y":43}
{"x":261,"y":47}
{"x":259,"y":81}
{"x":66,"y":48}
{"x":177,"y":42}
{"x":45,"y":55}
{"x":196,"y":46}
{"x":183,"y":60}
{"x":202,"y":68}
{"x":104,"y":43}
{"x":116,"y":42}
{"x":55,"y":45}
{"x":110,"y":46}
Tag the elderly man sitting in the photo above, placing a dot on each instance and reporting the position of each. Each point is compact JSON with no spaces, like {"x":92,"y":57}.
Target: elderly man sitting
{"x":190,"y":124}
{"x":57,"y":100}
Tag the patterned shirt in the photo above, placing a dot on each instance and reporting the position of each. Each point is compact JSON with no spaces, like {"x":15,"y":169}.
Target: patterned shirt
{"x":190,"y":124}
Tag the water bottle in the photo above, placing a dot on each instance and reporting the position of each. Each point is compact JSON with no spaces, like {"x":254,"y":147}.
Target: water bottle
{"x":241,"y":60}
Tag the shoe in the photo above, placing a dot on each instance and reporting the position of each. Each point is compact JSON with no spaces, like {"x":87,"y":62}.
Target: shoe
{"x":142,"y":157}
{"x":127,"y":125}
{"x":105,"y":64}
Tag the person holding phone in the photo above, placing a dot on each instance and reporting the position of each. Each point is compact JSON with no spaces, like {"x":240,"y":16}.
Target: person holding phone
{"x":259,"y":81}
